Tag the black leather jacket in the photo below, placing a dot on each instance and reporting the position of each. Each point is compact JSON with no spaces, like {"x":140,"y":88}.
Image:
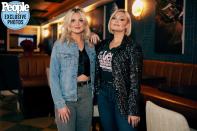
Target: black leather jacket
{"x":126,"y":73}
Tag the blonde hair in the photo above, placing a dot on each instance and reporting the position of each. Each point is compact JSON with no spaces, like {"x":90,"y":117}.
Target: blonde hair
{"x":66,"y":31}
{"x":128,"y":30}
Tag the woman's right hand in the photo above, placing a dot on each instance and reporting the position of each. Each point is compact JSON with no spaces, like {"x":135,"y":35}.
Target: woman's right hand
{"x":64,"y":114}
{"x":134,"y":120}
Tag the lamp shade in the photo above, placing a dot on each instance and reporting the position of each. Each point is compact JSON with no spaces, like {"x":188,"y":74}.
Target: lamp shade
{"x":137,"y":8}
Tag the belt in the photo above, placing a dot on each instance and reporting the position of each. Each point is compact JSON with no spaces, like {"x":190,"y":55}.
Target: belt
{"x":82,"y":83}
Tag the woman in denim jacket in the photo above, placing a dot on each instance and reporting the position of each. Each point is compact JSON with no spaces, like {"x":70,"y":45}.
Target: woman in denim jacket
{"x":72,"y":69}
{"x":118,"y":76}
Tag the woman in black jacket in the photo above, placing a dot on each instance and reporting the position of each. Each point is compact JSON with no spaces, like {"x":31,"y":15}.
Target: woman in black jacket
{"x":118,"y":76}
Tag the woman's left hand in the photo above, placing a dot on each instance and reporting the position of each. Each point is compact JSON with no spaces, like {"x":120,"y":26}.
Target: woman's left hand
{"x":94,"y":38}
{"x":134,"y":120}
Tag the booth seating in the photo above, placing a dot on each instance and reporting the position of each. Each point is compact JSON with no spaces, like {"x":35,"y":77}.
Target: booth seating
{"x":36,"y":96}
{"x":176,"y":74}
{"x":33,"y":70}
{"x":178,"y":93}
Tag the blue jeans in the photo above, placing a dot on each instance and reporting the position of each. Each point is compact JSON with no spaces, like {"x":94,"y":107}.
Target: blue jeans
{"x":110,"y":116}
{"x":81,"y":112}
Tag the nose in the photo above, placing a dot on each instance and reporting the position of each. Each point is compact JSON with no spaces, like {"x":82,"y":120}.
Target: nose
{"x":77,"y":22}
{"x":116,"y":20}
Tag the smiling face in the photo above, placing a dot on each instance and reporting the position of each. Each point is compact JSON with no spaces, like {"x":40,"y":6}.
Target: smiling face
{"x":119,"y":22}
{"x":77,"y":24}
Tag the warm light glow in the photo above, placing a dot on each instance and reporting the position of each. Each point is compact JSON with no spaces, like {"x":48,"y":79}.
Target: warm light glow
{"x":45,"y":33}
{"x":88,"y":19}
{"x":137,"y":8}
{"x":60,"y":28}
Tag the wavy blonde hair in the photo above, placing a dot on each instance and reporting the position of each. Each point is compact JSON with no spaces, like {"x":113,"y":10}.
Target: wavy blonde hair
{"x":66,"y":31}
{"x":128,"y":30}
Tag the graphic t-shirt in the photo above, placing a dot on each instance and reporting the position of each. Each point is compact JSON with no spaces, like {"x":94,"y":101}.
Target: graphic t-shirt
{"x":105,"y":63}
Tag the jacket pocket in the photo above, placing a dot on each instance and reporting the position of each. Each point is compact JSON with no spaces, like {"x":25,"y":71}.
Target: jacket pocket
{"x":67,"y":60}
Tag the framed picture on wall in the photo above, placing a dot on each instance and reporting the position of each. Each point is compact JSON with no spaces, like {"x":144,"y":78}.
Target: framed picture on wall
{"x":15,"y":37}
{"x":169,"y":26}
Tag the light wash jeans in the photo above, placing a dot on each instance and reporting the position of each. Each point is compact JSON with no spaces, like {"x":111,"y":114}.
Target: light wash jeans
{"x":81,"y":112}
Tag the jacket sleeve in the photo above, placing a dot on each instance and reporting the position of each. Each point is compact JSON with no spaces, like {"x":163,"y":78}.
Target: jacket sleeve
{"x":135,"y":80}
{"x":55,"y":79}
{"x":97,"y":68}
{"x":97,"y":77}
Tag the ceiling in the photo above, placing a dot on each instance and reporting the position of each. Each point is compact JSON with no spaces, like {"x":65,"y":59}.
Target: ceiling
{"x":47,"y":9}
{"x":43,"y":10}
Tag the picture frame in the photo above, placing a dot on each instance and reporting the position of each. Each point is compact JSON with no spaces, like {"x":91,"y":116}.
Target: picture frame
{"x":29,"y":32}
{"x":169,"y":26}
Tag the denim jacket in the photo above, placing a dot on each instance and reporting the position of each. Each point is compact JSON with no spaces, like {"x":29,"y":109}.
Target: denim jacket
{"x":64,"y":69}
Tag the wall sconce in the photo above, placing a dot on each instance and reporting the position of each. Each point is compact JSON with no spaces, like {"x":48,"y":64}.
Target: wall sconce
{"x":88,"y":19}
{"x":137,"y":8}
{"x":60,"y":27}
{"x":45,"y":33}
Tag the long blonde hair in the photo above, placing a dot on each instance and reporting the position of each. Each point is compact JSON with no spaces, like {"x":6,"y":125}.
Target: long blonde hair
{"x":128,"y":30}
{"x":66,"y":32}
